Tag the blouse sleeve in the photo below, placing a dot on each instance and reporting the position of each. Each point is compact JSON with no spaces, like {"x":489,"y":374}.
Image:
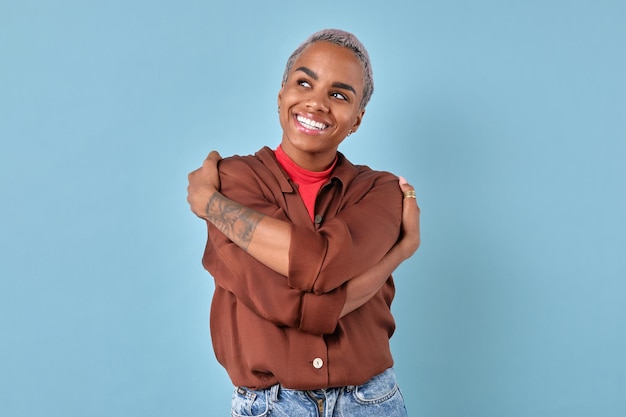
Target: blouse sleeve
{"x":261,"y":289}
{"x":356,"y":238}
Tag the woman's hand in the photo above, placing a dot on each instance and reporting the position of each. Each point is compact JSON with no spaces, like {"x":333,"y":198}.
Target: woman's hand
{"x":203,"y":182}
{"x":410,"y":236}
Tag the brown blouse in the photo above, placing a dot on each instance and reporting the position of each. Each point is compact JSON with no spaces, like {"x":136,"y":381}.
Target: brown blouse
{"x":267,"y":328}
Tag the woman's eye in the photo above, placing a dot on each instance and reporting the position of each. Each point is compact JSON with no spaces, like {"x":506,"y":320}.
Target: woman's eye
{"x":304,"y":83}
{"x":339,"y":96}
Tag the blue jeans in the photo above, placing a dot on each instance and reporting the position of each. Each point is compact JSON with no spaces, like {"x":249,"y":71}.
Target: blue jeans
{"x":378,"y":397}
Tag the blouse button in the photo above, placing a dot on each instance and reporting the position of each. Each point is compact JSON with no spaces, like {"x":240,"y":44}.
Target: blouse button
{"x":318,"y":363}
{"x":317,"y":219}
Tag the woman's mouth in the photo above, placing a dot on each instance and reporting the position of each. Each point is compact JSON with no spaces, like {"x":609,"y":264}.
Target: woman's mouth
{"x":310,"y":124}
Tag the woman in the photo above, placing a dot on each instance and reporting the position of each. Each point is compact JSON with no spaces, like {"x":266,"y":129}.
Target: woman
{"x":302,"y":244}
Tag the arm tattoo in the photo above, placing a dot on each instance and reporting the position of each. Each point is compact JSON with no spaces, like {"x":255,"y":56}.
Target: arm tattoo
{"x":237,"y":222}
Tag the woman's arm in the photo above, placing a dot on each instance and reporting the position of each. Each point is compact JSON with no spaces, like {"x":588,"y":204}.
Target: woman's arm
{"x":263,"y":237}
{"x":363,"y":287}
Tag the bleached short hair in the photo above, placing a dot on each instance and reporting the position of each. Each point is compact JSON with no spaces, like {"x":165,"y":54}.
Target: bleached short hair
{"x":343,"y":39}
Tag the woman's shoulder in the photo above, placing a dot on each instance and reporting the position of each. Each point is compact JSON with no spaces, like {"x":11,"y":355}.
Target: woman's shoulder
{"x":361,"y":172}
{"x":365,"y":174}
{"x":363,"y":180}
{"x":253,"y":162}
{"x":258,"y":168}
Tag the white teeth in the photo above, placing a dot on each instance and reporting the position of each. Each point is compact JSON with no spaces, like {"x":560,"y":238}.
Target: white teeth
{"x":311,"y":124}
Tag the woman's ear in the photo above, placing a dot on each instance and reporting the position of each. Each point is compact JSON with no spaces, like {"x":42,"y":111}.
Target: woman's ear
{"x":280,"y":94}
{"x":359,"y":119}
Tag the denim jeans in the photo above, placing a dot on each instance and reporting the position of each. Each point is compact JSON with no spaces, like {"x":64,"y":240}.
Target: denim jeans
{"x":378,"y":397}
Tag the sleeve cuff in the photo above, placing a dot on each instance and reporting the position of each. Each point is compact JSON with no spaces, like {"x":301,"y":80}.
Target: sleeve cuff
{"x":320,"y":313}
{"x":306,"y":256}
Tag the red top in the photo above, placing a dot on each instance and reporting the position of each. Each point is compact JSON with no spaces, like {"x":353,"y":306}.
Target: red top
{"x":309,"y":182}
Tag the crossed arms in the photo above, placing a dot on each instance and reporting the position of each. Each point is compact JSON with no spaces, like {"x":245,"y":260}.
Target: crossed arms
{"x":268,"y":239}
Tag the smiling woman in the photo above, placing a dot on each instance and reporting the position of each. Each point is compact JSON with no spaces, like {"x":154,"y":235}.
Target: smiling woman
{"x":320,"y":104}
{"x":302,"y":244}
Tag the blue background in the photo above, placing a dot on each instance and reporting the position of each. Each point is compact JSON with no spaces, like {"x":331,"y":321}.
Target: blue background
{"x":508,"y":117}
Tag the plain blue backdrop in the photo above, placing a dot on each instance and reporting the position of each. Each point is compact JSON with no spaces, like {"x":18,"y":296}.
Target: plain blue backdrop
{"x":508,"y":117}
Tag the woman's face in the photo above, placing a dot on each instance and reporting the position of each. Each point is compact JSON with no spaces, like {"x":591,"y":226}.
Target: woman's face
{"x":319,"y":104}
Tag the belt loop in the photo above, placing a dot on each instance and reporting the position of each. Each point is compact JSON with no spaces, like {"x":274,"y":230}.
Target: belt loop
{"x":274,"y":392}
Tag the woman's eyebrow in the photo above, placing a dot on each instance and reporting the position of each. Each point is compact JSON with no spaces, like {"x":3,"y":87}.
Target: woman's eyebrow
{"x":308,"y":72}
{"x":344,"y":86}
{"x":336,"y":84}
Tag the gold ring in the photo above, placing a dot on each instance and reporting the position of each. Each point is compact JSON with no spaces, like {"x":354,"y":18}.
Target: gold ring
{"x":409,"y":194}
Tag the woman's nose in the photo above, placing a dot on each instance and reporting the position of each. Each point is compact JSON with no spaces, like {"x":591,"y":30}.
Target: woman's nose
{"x":317,"y":101}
